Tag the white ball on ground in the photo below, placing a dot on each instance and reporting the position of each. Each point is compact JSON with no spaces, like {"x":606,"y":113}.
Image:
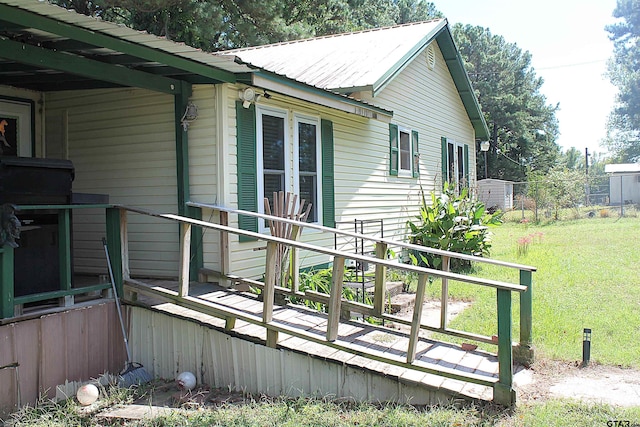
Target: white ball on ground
{"x":87,"y":394}
{"x":186,"y":381}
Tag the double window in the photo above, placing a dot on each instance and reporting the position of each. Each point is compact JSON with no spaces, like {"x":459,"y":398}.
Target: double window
{"x":288,"y":157}
{"x":455,"y":163}
{"x":403,"y":151}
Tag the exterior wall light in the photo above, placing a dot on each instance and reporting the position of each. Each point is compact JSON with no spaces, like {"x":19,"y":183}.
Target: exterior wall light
{"x":190,"y":115}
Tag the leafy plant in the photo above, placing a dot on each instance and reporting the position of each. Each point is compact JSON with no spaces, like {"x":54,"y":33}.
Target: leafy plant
{"x":454,"y":223}
{"x":319,"y":281}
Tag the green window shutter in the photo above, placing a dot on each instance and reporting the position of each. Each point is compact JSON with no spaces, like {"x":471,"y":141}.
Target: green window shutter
{"x":328,"y":191}
{"x":415,"y":153}
{"x":393,"y":149}
{"x":466,"y":164}
{"x":445,"y":161}
{"x":247,"y":178}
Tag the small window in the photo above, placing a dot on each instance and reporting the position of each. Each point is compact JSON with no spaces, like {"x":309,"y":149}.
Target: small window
{"x":403,"y":151}
{"x":456,"y":159}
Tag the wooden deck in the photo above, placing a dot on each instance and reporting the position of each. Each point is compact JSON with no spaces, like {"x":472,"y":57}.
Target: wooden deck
{"x":359,"y":344}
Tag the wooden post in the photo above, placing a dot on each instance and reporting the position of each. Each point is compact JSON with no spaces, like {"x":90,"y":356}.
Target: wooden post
{"x":524,"y":353}
{"x":417,"y":318}
{"x":268,"y":292}
{"x":224,"y":251}
{"x":6,"y":282}
{"x":294,"y":263}
{"x":229,"y":323}
{"x":124,"y":244}
{"x":335,"y":299}
{"x":444,"y":296}
{"x":114,"y":244}
{"x":185,"y":255}
{"x":380,"y":288}
{"x":196,"y":258}
{"x":64,"y":256}
{"x":503,"y":392}
{"x":269,"y":282}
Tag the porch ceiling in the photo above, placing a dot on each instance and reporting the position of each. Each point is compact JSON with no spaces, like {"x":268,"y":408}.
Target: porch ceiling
{"x":48,"y":48}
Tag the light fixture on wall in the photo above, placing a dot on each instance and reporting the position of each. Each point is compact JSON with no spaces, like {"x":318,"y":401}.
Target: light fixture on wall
{"x":190,"y":115}
{"x":247,"y":96}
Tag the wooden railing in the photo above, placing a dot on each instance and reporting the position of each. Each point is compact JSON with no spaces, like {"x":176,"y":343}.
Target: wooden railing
{"x":503,"y":388}
{"x":65,"y":294}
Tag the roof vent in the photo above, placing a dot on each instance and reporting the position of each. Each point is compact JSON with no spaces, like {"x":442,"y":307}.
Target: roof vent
{"x":431,"y":57}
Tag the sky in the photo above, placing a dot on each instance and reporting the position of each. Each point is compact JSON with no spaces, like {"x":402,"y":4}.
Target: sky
{"x":569,"y":48}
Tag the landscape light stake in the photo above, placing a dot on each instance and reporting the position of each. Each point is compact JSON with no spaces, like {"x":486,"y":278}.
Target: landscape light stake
{"x":586,"y":347}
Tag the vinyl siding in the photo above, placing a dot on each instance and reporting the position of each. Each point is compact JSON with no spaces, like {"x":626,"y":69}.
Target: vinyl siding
{"x":425,"y":101}
{"x":422,"y":100}
{"x":122,"y":143}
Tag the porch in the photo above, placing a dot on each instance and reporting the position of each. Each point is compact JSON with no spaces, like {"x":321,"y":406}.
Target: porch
{"x":436,"y":370}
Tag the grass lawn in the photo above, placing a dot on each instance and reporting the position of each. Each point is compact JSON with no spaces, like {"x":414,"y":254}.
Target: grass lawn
{"x":588,"y":277}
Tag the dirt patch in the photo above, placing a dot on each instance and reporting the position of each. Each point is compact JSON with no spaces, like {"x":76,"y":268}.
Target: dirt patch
{"x":595,"y":383}
{"x":548,"y":379}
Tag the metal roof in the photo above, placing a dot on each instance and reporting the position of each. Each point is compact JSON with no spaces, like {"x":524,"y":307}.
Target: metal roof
{"x":364,"y":60}
{"x":342,"y":61}
{"x":622,"y":168}
{"x":46,"y":47}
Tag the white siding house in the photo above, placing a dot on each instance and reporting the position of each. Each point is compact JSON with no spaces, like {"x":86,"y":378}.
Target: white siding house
{"x":380,"y":164}
{"x":360,"y":123}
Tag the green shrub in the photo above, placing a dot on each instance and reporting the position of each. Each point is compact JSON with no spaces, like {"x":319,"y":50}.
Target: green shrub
{"x":453,"y":223}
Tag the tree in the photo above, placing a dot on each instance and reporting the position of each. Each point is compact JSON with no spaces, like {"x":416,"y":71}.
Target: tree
{"x":523,"y":126}
{"x":558,"y":188}
{"x":226,"y":24}
{"x":623,"y":137}
{"x":573,"y":159}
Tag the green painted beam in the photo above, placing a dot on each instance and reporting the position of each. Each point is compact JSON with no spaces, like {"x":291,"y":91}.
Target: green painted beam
{"x":42,"y":296}
{"x":503,"y":392}
{"x":50,"y":25}
{"x":6,"y":282}
{"x":47,"y":59}
{"x":524,"y":353}
{"x":64,"y":249}
{"x":114,"y":246}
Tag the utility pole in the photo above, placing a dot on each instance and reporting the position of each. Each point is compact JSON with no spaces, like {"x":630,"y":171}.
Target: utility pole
{"x":586,"y":173}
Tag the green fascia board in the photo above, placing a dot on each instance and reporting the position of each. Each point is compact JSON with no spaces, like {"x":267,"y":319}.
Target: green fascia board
{"x":294,"y":84}
{"x":463,"y":84}
{"x":77,"y":65}
{"x":32,"y":20}
{"x":406,"y":59}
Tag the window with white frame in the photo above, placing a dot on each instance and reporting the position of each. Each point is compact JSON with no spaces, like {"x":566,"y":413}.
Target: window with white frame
{"x":457,"y":163}
{"x":278,"y":170}
{"x":272,"y":155}
{"x":307,"y":164}
{"x":404,"y":155}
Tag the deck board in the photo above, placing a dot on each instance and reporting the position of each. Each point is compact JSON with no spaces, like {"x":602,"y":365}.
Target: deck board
{"x":371,"y":342}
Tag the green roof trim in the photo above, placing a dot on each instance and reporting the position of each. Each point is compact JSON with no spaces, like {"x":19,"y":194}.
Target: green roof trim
{"x":461,"y":80}
{"x":53,"y":26}
{"x":406,"y":59}
{"x":33,"y":55}
{"x":443,"y":36}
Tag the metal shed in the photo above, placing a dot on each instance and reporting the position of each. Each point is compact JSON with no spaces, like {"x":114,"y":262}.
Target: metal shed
{"x":624,"y":183}
{"x":496,"y":193}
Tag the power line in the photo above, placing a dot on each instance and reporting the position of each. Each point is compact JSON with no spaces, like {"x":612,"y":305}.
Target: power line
{"x":576,"y":64}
